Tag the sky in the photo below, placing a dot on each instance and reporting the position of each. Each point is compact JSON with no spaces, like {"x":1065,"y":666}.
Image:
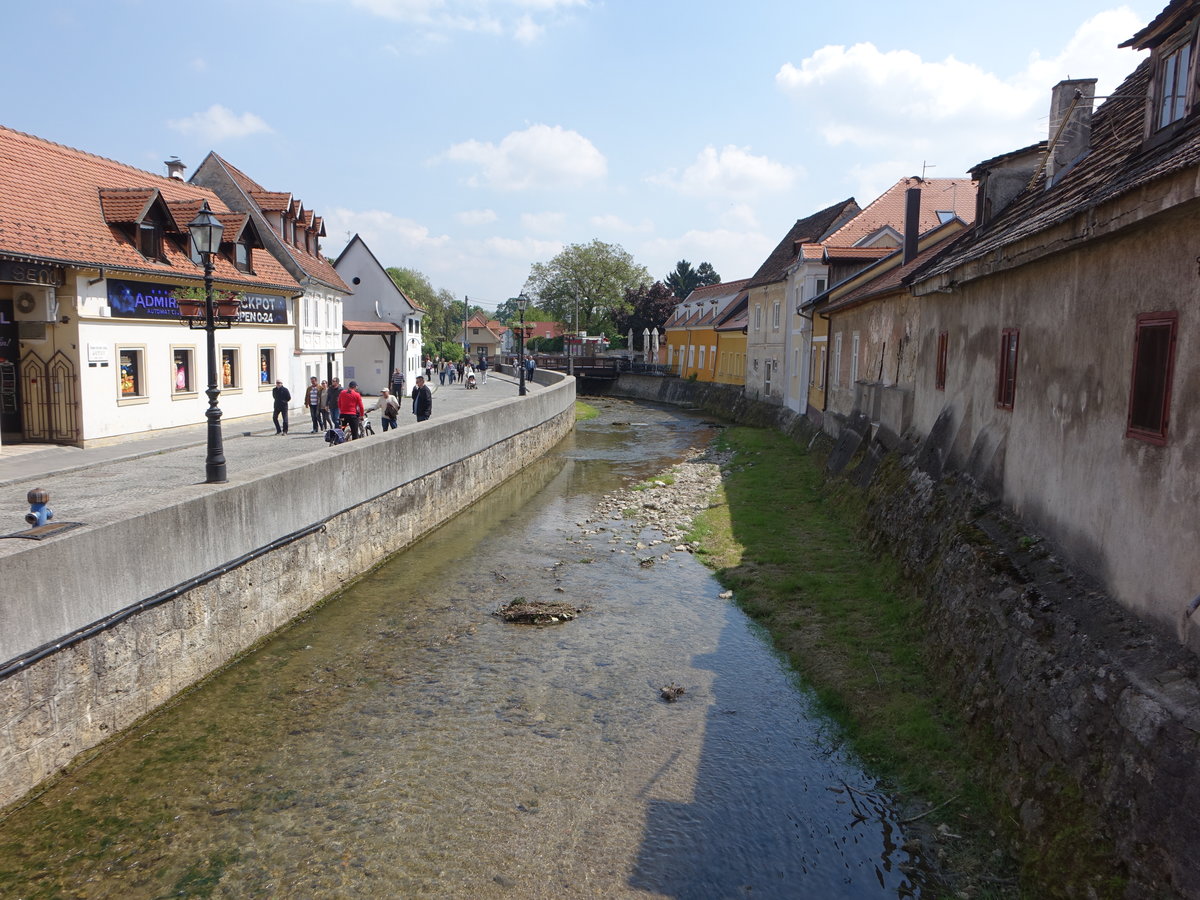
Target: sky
{"x":470,"y":139}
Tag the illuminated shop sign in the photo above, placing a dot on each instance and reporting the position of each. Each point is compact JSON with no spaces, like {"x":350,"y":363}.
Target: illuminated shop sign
{"x":147,"y":300}
{"x":263,"y":309}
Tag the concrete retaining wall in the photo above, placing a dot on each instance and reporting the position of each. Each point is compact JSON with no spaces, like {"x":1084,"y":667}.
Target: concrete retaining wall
{"x":1095,"y":714}
{"x":367,"y":499}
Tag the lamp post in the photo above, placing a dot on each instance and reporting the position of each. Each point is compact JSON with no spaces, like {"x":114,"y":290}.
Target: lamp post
{"x":522,"y":302}
{"x":206,"y":232}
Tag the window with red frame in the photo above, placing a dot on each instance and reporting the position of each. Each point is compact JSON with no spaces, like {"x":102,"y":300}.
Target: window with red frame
{"x":939,"y":380}
{"x":1150,"y":385}
{"x":1006,"y":381}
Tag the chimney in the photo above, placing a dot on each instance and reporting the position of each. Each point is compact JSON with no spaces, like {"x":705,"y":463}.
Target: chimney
{"x":175,"y":168}
{"x":1071,"y":105}
{"x":912,"y":223}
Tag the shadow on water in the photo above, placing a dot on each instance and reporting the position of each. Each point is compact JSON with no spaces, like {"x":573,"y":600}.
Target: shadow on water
{"x":401,"y":741}
{"x":778,"y":810}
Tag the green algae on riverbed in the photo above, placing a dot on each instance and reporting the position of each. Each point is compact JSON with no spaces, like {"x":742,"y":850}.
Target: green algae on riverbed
{"x":792,"y":546}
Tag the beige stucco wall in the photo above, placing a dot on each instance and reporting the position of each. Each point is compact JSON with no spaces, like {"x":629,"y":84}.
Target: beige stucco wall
{"x":1123,"y":507}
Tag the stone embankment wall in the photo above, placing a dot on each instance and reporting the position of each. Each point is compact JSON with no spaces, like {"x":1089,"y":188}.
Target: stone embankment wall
{"x":1093,"y":715}
{"x":218,"y":568}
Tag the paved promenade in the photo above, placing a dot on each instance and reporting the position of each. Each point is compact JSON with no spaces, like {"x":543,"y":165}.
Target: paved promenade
{"x":81,"y":482}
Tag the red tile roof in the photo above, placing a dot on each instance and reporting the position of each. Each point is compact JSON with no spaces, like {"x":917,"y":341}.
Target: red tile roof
{"x":891,"y":277}
{"x":317,"y":267}
{"x":856,"y":253}
{"x":127,"y":205}
{"x":543,"y":329}
{"x":956,"y":195}
{"x":51,"y":209}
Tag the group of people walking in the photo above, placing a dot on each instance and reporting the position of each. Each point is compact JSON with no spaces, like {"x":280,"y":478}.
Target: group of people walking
{"x":332,"y":406}
{"x":450,"y":371}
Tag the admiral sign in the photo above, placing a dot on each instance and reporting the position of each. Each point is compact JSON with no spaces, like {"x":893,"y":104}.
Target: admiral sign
{"x":147,"y":300}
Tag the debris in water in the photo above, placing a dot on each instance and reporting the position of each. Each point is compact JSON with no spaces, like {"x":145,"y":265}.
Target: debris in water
{"x":671,"y":692}
{"x":537,"y":612}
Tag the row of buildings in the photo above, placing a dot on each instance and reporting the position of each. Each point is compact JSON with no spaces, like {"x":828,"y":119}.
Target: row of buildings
{"x":94,"y":256}
{"x":1036,"y":326}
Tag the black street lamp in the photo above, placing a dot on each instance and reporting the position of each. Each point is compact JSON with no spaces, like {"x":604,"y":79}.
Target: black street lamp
{"x":206,"y":232}
{"x":522,"y":302}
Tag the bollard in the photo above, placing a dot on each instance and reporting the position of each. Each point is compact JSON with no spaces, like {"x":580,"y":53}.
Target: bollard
{"x":39,"y":513}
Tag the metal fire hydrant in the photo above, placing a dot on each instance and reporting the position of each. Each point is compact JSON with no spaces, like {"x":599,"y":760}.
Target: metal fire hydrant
{"x":39,"y":513}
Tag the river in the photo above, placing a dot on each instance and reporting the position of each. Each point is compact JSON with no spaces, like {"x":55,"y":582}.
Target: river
{"x":401,"y":741}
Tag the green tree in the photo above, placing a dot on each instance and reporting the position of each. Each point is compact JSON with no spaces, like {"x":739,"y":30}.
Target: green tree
{"x":592,"y":278}
{"x":685,"y":279}
{"x":649,"y":306}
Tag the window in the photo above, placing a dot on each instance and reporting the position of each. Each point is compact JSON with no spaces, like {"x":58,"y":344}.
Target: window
{"x":821,"y":369}
{"x":837,"y":359}
{"x":183,"y":370}
{"x":854,"y":345}
{"x":812,"y":368}
{"x":241,"y":256}
{"x":712,"y":354}
{"x":1171,"y":85}
{"x":701,"y":358}
{"x":757,"y":317}
{"x":149,"y":240}
{"x":1006,"y":380}
{"x":132,"y":372}
{"x":821,"y":282}
{"x":266,"y":367}
{"x":691,"y":357}
{"x":231,"y":378}
{"x":939,"y":378}
{"x":1150,"y":386}
{"x":775,"y":316}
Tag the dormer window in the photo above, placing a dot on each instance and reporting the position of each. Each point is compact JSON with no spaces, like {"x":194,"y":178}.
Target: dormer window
{"x":241,"y":256}
{"x":149,"y":240}
{"x":1171,"y":84}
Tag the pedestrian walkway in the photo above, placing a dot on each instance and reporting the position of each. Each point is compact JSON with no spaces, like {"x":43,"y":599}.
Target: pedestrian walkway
{"x":83,"y":482}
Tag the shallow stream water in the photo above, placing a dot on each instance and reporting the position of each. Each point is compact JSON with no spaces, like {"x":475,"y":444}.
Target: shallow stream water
{"x":400,"y":741}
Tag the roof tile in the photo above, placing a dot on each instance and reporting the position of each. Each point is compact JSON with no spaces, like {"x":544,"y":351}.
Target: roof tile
{"x":51,"y":209}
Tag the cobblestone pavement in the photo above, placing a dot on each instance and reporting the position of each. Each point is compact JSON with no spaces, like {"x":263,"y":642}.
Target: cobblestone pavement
{"x":99,"y":479}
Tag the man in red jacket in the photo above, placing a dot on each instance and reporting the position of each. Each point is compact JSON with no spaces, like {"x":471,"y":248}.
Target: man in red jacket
{"x":350,"y":407}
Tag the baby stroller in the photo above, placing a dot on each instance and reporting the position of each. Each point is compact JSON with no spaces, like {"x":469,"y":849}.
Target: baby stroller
{"x":471,"y":383}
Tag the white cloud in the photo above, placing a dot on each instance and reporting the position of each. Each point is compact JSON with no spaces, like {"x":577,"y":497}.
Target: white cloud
{"x":541,"y":156}
{"x":947,"y":112}
{"x":741,"y":215}
{"x":477,"y":216}
{"x":523,"y":250}
{"x":610,"y":222}
{"x":218,"y":123}
{"x":731,"y":171}
{"x":377,"y":227}
{"x":527,"y":31}
{"x":734,"y":254}
{"x":543,"y":222}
